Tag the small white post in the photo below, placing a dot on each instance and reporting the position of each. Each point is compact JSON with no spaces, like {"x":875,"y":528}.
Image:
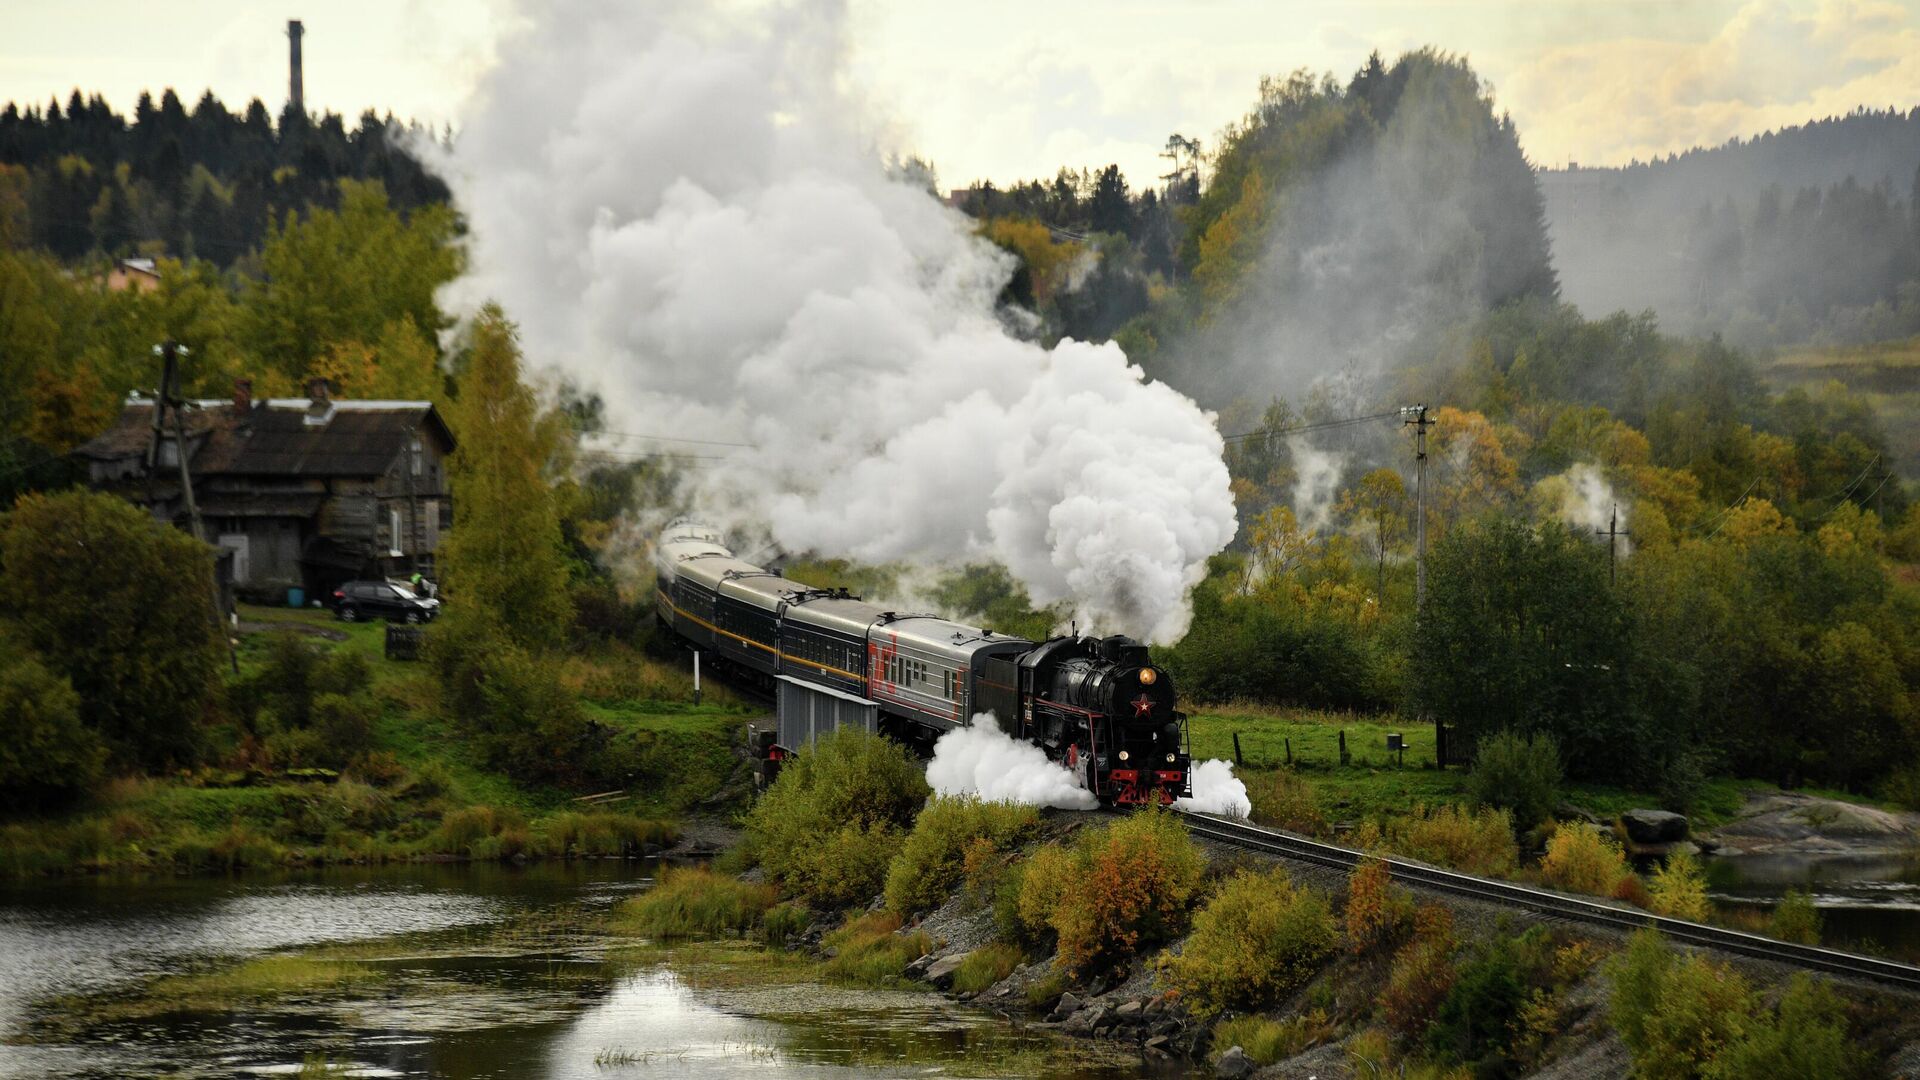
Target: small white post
{"x":696,"y":676}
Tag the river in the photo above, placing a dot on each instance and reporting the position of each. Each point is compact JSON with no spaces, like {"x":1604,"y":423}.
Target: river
{"x":477,"y":971}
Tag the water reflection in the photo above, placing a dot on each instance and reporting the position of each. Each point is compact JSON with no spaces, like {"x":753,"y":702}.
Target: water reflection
{"x":1868,"y":903}
{"x":493,"y":973}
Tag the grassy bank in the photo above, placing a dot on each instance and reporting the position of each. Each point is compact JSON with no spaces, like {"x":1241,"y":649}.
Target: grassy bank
{"x":418,"y":792}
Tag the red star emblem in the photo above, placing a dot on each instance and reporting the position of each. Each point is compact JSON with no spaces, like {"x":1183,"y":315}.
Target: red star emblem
{"x":1142,"y":706}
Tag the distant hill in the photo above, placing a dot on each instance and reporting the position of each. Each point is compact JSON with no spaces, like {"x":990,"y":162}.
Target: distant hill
{"x":1803,"y":235}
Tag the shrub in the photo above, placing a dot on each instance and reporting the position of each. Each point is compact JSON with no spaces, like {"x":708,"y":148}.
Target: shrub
{"x":784,"y":922}
{"x":1266,"y":1041}
{"x":695,"y":902}
{"x":1479,"y":842}
{"x":1130,"y":886}
{"x":1376,"y":910}
{"x":46,"y":757}
{"x":1422,"y":974}
{"x":118,"y":603}
{"x":1795,"y":919}
{"x":1631,"y":890}
{"x":985,"y":966}
{"x":1675,"y":1015}
{"x":1284,"y":801}
{"x":344,"y":724}
{"x":1479,"y":1013}
{"x":1679,"y":888}
{"x":868,"y":951}
{"x":932,"y":860}
{"x":1519,"y":775}
{"x":1036,"y":888}
{"x":1808,"y":1038}
{"x":1257,"y":940}
{"x":1581,"y":860}
{"x":830,"y":825}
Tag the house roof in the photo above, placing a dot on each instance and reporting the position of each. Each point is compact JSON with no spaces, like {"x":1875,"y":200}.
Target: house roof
{"x":276,"y":438}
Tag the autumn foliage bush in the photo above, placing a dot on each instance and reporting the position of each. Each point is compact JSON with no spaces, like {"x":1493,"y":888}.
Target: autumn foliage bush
{"x":829,"y":827}
{"x":933,"y":859}
{"x":1258,"y":939}
{"x":1679,"y":888}
{"x":1284,"y":801}
{"x":1581,"y":860}
{"x":1376,"y":910}
{"x":1116,"y":889}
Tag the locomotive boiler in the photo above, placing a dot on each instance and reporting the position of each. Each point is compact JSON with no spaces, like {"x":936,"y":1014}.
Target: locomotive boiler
{"x":1097,"y":706}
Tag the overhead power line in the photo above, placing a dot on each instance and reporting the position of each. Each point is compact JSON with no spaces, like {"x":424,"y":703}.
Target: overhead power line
{"x":1320,"y":425}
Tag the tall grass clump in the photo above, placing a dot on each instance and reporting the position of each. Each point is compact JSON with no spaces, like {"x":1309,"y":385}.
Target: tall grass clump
{"x":784,"y":922}
{"x":1581,"y":860}
{"x":1519,"y":775}
{"x":696,"y":902}
{"x":831,"y":824}
{"x":870,"y":950}
{"x":1679,"y":888}
{"x":1475,"y":842}
{"x":1423,"y":973}
{"x":1266,"y":1041}
{"x":1284,"y":801}
{"x":933,"y":859}
{"x":985,"y":966}
{"x":1119,"y":888}
{"x":1258,"y":939}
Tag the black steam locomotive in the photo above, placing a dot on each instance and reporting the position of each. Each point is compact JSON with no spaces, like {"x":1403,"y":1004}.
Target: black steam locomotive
{"x":1098,"y":706}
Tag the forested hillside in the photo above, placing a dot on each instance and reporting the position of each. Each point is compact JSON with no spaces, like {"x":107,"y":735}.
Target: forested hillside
{"x":1354,"y":247}
{"x":1805,"y":235}
{"x":204,"y":184}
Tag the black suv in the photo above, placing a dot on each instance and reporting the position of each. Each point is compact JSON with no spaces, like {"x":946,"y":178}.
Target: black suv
{"x":358,"y":600}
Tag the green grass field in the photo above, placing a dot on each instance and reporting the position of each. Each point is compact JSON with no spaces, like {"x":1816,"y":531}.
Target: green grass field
{"x":1374,"y":783}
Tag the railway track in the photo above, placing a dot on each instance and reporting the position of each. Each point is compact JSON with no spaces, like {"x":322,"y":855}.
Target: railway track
{"x":1545,"y":902}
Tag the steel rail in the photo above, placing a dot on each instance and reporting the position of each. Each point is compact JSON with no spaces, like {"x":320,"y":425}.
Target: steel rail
{"x":1559,"y":905}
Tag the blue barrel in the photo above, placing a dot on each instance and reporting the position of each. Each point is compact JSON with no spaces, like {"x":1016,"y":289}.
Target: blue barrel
{"x":296,"y":598}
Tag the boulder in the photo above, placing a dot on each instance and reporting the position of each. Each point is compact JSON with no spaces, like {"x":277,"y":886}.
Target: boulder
{"x":1065,"y":1007}
{"x":940,"y":972}
{"x":1128,"y":1013}
{"x":1654,"y":826}
{"x":1233,"y":1065}
{"x":1156,"y":1048}
{"x":1086,"y":1020}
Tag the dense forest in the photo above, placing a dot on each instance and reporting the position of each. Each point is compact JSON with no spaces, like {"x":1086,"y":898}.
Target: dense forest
{"x":205,"y":184}
{"x":1805,"y":235}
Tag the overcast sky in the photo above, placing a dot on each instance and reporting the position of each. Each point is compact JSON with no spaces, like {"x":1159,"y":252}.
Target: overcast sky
{"x":1005,"y":89}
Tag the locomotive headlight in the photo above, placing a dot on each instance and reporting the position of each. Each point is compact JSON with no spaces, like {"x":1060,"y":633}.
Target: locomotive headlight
{"x":1148,"y":676}
{"x":1169,"y":759}
{"x":1123,"y":755}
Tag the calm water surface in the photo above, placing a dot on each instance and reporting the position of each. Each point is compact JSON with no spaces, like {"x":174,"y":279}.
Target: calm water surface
{"x":1869,"y":903}
{"x":495,"y":972}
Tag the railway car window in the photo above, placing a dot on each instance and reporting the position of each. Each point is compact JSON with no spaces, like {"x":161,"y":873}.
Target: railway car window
{"x":947,"y":687}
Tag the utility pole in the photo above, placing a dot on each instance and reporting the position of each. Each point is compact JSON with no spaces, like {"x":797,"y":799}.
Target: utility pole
{"x":169,"y":351}
{"x":1613,"y":551}
{"x":1418,"y":418}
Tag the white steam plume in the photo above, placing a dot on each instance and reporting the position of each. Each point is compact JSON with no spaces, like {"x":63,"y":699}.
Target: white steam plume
{"x":684,"y":215}
{"x":1316,"y":480}
{"x":1217,"y":791}
{"x":982,"y":760}
{"x":1581,"y":497}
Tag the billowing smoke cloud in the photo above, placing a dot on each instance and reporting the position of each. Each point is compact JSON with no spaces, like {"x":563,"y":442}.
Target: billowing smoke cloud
{"x":982,"y":760}
{"x":686,"y":215}
{"x":1217,"y":791}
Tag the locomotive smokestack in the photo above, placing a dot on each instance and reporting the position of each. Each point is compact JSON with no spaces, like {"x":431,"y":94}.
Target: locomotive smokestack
{"x":295,"y":97}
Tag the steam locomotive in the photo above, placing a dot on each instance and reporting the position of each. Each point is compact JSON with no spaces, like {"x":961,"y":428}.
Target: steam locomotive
{"x":1097,"y":706}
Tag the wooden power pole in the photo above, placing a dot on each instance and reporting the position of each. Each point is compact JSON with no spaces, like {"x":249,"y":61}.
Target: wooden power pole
{"x":170,"y":397}
{"x":1418,"y":418}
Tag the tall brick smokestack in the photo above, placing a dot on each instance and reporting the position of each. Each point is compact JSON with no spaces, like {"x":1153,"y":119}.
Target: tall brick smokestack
{"x":295,"y":97}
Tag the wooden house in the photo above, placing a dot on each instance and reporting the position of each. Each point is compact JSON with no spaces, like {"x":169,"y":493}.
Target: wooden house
{"x":304,"y":492}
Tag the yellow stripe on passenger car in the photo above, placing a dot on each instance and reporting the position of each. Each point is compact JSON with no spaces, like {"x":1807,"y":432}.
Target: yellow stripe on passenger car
{"x":689,"y":616}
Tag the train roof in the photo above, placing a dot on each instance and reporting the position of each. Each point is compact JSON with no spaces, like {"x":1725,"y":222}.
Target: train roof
{"x":828,"y":611}
{"x":942,"y":635}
